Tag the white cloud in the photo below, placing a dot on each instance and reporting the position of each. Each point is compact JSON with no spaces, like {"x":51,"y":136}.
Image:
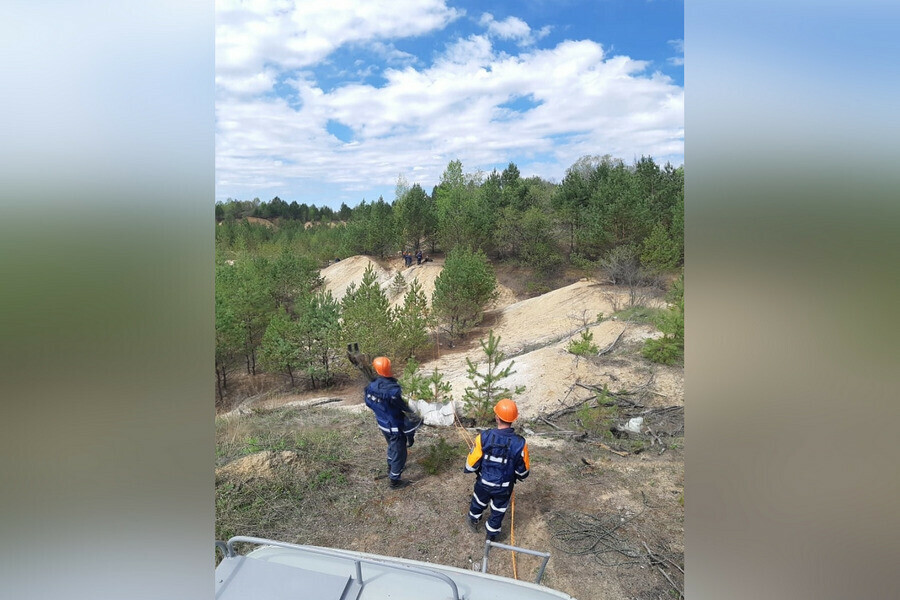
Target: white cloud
{"x":511,"y":28}
{"x":678,"y":46}
{"x":250,"y":85}
{"x":251,"y":34}
{"x":424,"y":116}
{"x":392,"y":55}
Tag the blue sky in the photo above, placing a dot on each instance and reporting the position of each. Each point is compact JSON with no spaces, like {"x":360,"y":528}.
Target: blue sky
{"x":332,"y":102}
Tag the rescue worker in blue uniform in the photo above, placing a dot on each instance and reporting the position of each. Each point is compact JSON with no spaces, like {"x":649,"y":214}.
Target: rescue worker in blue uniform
{"x":499,"y":459}
{"x":396,"y":420}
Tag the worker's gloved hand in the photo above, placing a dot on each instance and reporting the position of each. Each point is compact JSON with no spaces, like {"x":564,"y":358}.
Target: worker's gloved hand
{"x":410,"y":440}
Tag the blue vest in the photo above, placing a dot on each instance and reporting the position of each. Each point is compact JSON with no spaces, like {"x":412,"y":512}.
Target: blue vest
{"x":501,"y":455}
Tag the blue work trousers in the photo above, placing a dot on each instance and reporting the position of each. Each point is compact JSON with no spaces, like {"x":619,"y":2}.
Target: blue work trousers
{"x":396,"y":453}
{"x":495,"y":498}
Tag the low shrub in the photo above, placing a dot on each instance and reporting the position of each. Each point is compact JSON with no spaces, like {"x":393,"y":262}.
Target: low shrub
{"x":585,"y":346}
{"x":669,"y":349}
{"x":666,"y":351}
{"x":443,"y":456}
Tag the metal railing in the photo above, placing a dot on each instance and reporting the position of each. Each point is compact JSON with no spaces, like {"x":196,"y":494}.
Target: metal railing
{"x":357,"y":561}
{"x":487,"y":550}
{"x":223,"y":547}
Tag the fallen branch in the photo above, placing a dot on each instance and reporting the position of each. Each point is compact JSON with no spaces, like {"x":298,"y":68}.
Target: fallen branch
{"x":605,"y":447}
{"x":669,"y":579}
{"x":548,"y":422}
{"x":655,"y":438}
{"x":617,"y":401}
{"x":656,"y":559}
{"x":617,"y":396}
{"x":673,"y":563}
{"x":610,"y":347}
{"x":568,"y":409}
{"x":325,"y":401}
{"x":311,"y":403}
{"x":582,"y":534}
{"x":590,"y":388}
{"x":665,"y":410}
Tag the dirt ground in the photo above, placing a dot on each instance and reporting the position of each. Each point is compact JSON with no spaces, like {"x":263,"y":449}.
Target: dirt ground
{"x":608,"y":505}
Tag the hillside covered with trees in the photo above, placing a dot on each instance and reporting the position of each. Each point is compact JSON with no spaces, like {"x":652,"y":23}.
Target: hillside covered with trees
{"x":624,"y":222}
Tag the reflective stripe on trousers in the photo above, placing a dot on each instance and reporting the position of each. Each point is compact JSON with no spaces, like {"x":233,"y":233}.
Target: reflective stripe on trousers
{"x":497,"y":499}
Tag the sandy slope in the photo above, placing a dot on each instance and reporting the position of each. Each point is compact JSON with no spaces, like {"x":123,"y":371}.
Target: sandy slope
{"x":534,"y":333}
{"x":338,"y":277}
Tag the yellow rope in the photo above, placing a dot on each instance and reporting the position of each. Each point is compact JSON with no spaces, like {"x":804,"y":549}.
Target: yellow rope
{"x":459,"y":427}
{"x":512,"y":535}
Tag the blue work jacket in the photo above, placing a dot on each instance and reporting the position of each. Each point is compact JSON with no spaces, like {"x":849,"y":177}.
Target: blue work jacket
{"x":392,"y":413}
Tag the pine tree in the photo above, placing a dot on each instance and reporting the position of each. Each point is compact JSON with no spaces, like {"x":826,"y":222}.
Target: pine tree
{"x":279,"y":350}
{"x":480,"y":398}
{"x":660,"y":251}
{"x":435,"y":389}
{"x":411,"y":321}
{"x":462,"y":290}
{"x":318,"y":327}
{"x":367,"y":318}
{"x":669,"y":349}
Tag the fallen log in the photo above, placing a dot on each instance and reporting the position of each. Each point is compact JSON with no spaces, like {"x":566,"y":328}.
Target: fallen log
{"x":605,"y":447}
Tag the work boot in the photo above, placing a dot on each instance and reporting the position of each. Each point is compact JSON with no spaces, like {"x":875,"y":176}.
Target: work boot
{"x":473,"y":524}
{"x":491,"y":537}
{"x":396,"y":484}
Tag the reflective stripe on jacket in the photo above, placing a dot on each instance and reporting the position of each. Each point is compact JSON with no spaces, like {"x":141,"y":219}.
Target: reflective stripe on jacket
{"x":392,"y":413}
{"x":500,"y":456}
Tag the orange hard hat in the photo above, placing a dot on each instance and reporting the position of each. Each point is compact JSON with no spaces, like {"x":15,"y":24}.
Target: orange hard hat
{"x":507,"y":410}
{"x":382,"y":366}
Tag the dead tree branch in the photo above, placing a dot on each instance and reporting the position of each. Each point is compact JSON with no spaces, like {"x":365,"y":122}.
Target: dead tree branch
{"x":610,"y":347}
{"x":548,"y":422}
{"x":605,"y":447}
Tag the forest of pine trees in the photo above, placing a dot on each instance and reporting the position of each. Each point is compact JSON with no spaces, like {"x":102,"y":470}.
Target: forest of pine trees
{"x":627,"y":220}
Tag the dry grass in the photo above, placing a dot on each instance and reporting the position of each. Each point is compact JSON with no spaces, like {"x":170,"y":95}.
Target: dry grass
{"x":332,"y":491}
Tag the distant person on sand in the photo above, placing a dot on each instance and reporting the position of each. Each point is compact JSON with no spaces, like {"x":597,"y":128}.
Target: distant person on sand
{"x":499,"y":459}
{"x":418,"y":257}
{"x":407,"y":258}
{"x":396,"y":420}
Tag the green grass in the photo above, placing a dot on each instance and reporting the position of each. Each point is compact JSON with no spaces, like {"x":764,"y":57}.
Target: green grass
{"x":597,"y":419}
{"x":279,"y":503}
{"x":327,"y":477}
{"x":319,"y":445}
{"x":280,"y":430}
{"x":259,"y":506}
{"x":443,"y":456}
{"x":639,"y":314}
